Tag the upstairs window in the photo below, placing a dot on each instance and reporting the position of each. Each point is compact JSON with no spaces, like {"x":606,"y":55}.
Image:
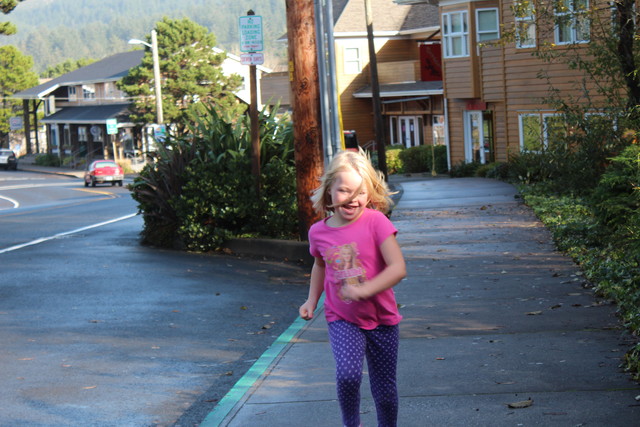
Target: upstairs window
{"x":572,"y":21}
{"x":525,"y":24}
{"x":352,"y":60}
{"x":487,"y":24}
{"x":71,"y":91}
{"x":455,"y":34}
{"x":88,"y":92}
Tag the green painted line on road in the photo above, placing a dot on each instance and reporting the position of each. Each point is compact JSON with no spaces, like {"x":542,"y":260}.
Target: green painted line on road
{"x":244,"y":384}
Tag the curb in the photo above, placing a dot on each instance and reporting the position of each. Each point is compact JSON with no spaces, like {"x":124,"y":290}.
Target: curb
{"x":287,"y":250}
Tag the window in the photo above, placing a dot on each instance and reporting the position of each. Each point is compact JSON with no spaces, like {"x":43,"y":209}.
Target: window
{"x":455,"y":34}
{"x":487,"y":24}
{"x":525,"y":24}
{"x":88,"y":92}
{"x":352,"y":60}
{"x":572,"y":21}
{"x":71,"y":91}
{"x":537,"y":131}
{"x":82,"y":133}
{"x":553,"y":128}
{"x":112,"y":91}
{"x":530,"y":132}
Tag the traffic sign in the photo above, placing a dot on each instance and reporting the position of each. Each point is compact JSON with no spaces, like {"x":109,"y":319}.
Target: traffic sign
{"x":112,"y":126}
{"x":251,"y":33}
{"x":15,"y":123}
{"x":253,"y":58}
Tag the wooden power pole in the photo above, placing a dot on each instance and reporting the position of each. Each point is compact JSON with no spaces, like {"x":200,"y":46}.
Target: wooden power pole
{"x":305,"y":100}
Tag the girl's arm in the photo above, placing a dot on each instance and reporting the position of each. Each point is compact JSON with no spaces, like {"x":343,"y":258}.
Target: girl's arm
{"x":315,"y":289}
{"x":395,"y":271}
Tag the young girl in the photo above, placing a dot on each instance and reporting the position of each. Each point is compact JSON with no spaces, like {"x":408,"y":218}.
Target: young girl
{"x":357,"y":262}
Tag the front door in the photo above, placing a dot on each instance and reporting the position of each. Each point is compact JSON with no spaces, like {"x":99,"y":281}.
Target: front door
{"x":409,"y":131}
{"x":478,"y":137}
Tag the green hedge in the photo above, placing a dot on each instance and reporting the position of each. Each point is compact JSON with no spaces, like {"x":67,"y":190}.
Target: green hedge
{"x":415,"y":159}
{"x":200,"y":191}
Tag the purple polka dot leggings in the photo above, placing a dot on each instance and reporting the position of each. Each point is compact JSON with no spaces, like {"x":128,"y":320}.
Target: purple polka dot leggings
{"x":350,"y":344}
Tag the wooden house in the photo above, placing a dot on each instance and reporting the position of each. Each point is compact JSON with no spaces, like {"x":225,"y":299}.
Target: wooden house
{"x":406,"y":40}
{"x":492,"y":87}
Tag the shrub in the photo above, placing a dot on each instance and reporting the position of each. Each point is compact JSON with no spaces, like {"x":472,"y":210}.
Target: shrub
{"x":442,"y":163}
{"x":462,"y":169}
{"x":394,"y":163}
{"x":47,"y":160}
{"x":617,"y":195}
{"x":416,"y":159}
{"x":421,"y":159}
{"x":211,"y":194}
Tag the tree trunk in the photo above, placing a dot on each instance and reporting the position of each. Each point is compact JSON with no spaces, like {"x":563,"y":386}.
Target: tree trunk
{"x":627,"y":29}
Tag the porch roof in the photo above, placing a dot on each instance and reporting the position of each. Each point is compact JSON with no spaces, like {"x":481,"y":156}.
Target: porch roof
{"x":94,"y":114}
{"x":403,"y":89}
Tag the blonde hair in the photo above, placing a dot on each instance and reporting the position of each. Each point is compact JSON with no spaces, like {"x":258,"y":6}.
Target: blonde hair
{"x":359,"y":162}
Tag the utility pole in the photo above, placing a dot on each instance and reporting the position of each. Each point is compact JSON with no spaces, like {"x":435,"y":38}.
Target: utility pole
{"x":156,"y":76}
{"x":255,"y":124}
{"x":378,"y":127}
{"x":305,"y":100}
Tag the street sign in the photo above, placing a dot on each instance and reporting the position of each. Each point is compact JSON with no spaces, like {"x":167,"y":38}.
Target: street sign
{"x":159,"y":132}
{"x":15,"y":123}
{"x":251,"y":33}
{"x":112,"y":126}
{"x":253,"y":58}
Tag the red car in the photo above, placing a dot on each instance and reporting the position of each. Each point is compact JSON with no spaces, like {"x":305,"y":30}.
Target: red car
{"x":103,"y":172}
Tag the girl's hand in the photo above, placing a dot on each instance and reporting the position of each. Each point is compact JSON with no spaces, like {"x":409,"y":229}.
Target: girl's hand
{"x":306,"y":310}
{"x":354,"y":292}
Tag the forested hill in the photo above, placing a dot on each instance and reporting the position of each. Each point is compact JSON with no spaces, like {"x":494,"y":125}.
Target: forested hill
{"x":52,"y":31}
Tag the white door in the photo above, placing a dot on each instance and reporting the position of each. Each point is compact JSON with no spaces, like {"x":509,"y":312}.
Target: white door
{"x":408,"y":131}
{"x":473,"y":137}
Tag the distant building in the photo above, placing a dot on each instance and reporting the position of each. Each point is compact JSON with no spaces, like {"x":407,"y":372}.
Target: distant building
{"x":407,"y":46}
{"x":77,"y":106}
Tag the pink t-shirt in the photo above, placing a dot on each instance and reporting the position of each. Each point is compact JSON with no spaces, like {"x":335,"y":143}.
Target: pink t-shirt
{"x":352,"y":255}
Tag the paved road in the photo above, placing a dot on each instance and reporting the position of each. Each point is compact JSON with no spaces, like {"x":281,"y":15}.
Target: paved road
{"x":97,"y":330}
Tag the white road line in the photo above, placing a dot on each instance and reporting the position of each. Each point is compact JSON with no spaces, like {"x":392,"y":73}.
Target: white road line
{"x":10,"y":200}
{"x":66,"y":233}
{"x":20,"y":186}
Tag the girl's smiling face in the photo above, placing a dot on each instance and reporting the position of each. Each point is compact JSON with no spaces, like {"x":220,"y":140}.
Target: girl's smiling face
{"x":347,"y":205}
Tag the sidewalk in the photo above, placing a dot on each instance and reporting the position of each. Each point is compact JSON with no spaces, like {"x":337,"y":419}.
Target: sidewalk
{"x":492,"y":316}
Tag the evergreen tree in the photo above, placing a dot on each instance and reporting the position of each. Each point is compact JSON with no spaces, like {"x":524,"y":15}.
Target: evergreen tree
{"x":15,"y":75}
{"x":191,"y":75}
{"x":7,"y":6}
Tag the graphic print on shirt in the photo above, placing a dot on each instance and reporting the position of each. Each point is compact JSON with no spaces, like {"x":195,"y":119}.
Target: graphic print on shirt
{"x":347,"y":268}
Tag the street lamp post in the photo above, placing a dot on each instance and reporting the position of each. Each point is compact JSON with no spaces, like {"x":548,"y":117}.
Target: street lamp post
{"x":156,"y":72}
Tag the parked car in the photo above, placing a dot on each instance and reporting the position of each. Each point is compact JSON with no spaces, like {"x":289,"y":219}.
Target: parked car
{"x":8,"y":159}
{"x":103,"y":172}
